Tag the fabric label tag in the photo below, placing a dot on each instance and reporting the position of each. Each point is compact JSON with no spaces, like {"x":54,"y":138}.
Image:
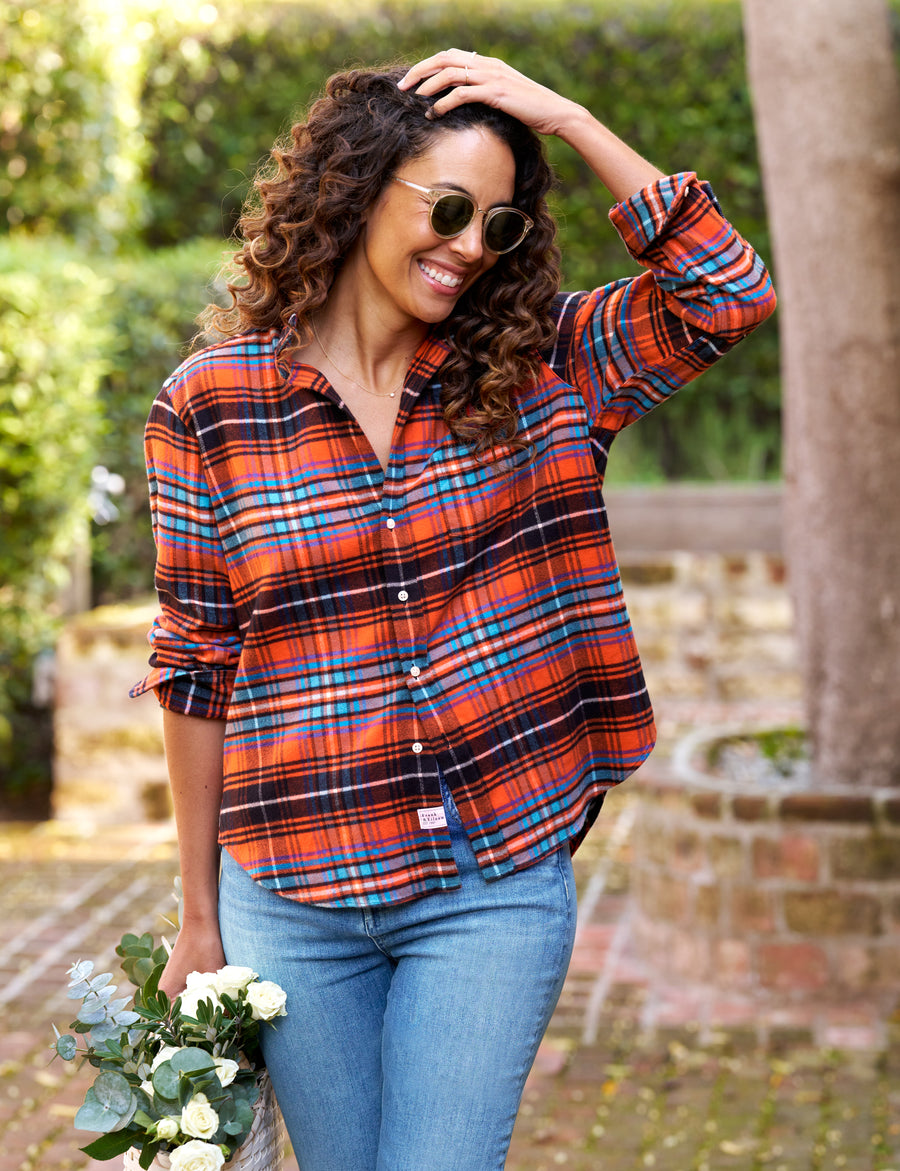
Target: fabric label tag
{"x":432,"y":818}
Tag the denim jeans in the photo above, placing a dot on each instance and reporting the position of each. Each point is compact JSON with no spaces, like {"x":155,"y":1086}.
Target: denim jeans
{"x":410,"y":1028}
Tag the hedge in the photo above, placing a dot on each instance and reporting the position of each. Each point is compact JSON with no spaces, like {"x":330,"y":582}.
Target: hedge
{"x":155,"y":299}
{"x":52,"y":342}
{"x":68,"y":136}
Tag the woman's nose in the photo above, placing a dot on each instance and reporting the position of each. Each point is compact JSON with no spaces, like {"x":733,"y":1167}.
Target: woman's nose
{"x":469,"y":245}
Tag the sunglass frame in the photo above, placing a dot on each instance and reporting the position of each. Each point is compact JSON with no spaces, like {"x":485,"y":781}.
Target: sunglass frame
{"x":435,"y":194}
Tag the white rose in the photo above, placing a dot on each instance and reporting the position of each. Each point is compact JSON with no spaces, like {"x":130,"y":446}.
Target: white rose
{"x":197,"y":1156}
{"x":266,"y":1000}
{"x":164,"y":1054}
{"x":233,"y":979}
{"x":198,"y":1119}
{"x":191,"y":998}
{"x":226,"y":1069}
{"x":196,"y":979}
{"x":167,"y":1128}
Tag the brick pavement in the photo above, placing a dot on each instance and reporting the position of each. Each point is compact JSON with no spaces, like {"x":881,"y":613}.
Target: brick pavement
{"x":626,"y":1079}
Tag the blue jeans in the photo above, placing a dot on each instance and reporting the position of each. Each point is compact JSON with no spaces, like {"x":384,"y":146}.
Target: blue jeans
{"x":411,"y":1028}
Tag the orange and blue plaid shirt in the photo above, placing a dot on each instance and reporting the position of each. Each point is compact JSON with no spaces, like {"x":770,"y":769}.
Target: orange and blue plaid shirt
{"x":365,"y":631}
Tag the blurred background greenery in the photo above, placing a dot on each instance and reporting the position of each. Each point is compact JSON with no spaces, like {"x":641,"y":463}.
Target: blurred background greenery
{"x":129,"y":133}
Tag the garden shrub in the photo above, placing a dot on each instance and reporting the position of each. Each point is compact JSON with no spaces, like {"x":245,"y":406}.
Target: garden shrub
{"x":153,"y":301}
{"x":68,"y":134}
{"x":52,"y":341}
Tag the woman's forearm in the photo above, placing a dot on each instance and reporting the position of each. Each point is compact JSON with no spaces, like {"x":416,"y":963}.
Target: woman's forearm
{"x":194,"y":749}
{"x":618,"y":167}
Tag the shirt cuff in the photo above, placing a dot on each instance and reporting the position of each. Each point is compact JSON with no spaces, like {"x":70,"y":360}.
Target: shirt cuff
{"x":650,"y":212}
{"x":202,"y":693}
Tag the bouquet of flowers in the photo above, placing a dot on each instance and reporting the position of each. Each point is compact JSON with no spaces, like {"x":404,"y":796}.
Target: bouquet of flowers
{"x":177,"y":1077}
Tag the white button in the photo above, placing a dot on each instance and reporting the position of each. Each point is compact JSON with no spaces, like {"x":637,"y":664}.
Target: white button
{"x":403,"y":596}
{"x":417,"y":747}
{"x":415,"y":672}
{"x":391,"y":523}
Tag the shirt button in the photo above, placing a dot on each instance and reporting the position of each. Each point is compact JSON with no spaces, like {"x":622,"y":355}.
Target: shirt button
{"x":417,"y":747}
{"x":391,"y":523}
{"x":403,"y":596}
{"x":415,"y":672}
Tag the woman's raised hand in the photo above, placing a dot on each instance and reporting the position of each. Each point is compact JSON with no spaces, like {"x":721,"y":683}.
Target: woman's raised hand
{"x":469,"y":77}
{"x":473,"y":78}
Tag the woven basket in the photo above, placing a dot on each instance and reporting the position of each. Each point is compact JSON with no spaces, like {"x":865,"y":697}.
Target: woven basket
{"x":261,"y":1150}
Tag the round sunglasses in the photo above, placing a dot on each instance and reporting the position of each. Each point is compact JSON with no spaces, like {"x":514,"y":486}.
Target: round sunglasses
{"x":451,"y":212}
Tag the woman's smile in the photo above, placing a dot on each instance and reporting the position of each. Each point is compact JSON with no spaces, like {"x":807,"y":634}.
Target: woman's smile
{"x":441,"y":275}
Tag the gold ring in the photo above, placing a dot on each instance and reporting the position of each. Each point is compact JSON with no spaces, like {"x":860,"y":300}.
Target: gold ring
{"x":466,"y":82}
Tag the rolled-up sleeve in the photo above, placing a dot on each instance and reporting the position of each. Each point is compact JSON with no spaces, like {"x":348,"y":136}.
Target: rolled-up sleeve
{"x":637,"y":341}
{"x":195,"y":638}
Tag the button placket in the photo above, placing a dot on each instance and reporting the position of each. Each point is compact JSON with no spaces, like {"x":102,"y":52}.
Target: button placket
{"x":401,"y":573}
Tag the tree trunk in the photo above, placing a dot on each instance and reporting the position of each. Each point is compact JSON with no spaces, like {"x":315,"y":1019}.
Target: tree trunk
{"x":827,"y":106}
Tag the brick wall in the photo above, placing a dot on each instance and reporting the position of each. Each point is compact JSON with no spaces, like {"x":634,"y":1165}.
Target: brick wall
{"x":712,"y":626}
{"x":782,"y":892}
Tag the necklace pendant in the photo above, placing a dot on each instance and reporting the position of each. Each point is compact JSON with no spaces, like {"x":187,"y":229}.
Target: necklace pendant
{"x":393,"y":394}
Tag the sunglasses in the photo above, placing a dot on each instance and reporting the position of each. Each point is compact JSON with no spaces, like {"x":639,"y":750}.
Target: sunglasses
{"x":451,"y":212}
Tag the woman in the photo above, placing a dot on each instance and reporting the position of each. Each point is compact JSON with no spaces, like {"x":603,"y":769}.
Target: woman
{"x":397,"y":670}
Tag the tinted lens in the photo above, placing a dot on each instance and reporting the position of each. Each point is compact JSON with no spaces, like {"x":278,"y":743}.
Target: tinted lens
{"x":452,"y":214}
{"x":504,"y":229}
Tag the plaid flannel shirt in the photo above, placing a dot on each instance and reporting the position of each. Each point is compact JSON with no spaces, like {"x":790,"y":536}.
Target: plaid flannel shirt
{"x":362,"y":629}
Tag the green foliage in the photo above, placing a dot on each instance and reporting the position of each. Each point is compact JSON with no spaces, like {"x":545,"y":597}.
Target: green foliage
{"x":141,"y":962}
{"x":159,"y":1057}
{"x":667,"y":76}
{"x":68,"y":130}
{"x":109,"y":1104}
{"x":154,"y":298}
{"x":52,"y":342}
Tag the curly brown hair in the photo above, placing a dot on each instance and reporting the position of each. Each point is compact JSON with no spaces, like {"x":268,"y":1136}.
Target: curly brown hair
{"x":307,"y":210}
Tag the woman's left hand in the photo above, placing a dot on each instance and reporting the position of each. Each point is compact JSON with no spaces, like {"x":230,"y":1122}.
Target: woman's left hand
{"x":473,"y":78}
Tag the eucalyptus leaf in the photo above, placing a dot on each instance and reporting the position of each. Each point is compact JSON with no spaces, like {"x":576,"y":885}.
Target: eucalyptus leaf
{"x":106,"y":1104}
{"x":165,"y":1081}
{"x":121,"y":1006}
{"x":80,"y":970}
{"x":113,"y":1090}
{"x":92,"y":1012}
{"x":66,"y":1046}
{"x":105,"y":1031}
{"x":244,"y":1115}
{"x":191,"y":1061}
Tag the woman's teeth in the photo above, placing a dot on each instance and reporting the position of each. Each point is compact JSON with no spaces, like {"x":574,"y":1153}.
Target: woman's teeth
{"x":443,"y":278}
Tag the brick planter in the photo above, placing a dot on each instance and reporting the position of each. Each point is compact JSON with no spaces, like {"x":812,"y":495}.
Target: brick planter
{"x":784,"y":893}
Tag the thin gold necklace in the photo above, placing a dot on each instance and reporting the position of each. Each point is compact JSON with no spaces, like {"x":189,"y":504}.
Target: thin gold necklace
{"x":344,"y":374}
